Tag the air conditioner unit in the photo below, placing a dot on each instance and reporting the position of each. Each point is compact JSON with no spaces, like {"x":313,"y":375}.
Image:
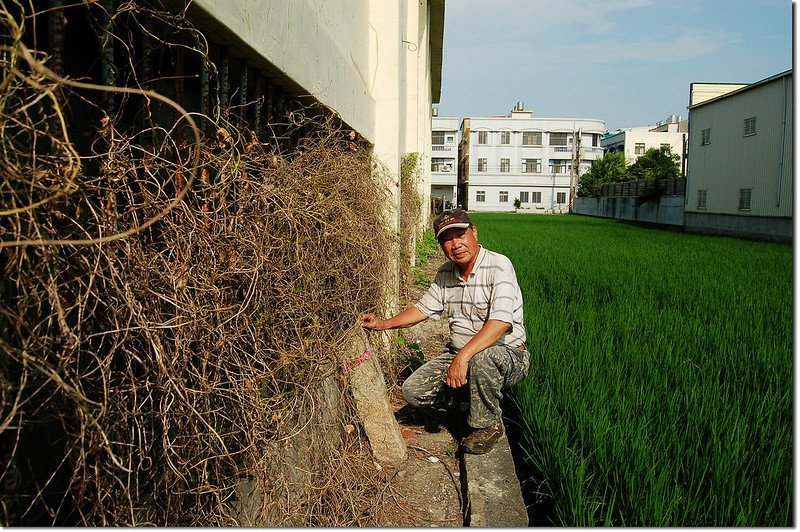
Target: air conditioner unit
{"x":445,"y":167}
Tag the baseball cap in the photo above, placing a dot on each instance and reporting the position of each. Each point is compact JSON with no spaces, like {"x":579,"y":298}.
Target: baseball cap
{"x":450,"y":219}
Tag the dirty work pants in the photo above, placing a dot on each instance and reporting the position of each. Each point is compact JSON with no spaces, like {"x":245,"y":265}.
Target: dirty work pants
{"x":490,"y":372}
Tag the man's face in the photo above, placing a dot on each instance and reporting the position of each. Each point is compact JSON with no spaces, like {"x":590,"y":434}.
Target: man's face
{"x":460,"y":245}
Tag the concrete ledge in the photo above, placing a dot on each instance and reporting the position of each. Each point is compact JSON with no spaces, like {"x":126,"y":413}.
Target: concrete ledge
{"x":491,"y":486}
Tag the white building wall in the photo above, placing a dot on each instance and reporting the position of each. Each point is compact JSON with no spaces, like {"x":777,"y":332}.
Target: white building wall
{"x":543,"y":187}
{"x":370,"y":61}
{"x":444,"y":159}
{"x":322,"y":45}
{"x":627,"y":139}
{"x":351,"y":57}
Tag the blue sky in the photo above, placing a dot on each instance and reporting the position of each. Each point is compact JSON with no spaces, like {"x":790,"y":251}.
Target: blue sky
{"x":628,"y":62}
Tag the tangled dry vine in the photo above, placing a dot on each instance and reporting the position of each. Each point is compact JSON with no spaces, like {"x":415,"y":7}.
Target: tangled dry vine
{"x":164,"y":338}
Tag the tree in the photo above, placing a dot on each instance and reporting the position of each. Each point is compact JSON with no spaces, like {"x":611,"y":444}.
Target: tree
{"x":656,"y":163}
{"x":611,"y":167}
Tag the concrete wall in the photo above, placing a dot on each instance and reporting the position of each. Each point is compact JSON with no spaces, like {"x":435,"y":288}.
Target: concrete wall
{"x":754,"y":227}
{"x":667,"y":210}
{"x":371,"y":61}
{"x":321,"y":45}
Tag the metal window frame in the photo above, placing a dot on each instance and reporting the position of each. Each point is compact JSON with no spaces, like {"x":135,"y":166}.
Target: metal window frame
{"x":702,"y":199}
{"x":745,"y":198}
{"x":751,"y":121}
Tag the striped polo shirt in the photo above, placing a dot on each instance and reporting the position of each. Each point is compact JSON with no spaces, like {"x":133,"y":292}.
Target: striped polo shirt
{"x":491,"y":293}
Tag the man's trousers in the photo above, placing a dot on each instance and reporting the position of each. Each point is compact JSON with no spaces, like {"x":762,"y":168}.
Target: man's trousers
{"x":491,"y":371}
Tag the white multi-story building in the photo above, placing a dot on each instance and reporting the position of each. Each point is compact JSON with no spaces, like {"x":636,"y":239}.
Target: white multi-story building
{"x":537,"y":161}
{"x":444,"y":160}
{"x":635,"y":141}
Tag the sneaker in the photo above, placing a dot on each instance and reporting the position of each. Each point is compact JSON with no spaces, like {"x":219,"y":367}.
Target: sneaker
{"x":481,"y":441}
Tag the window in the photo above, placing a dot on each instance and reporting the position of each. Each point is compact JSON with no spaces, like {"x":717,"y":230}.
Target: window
{"x":524,"y":197}
{"x":744,"y":198}
{"x":558,"y":139}
{"x":437,"y":138}
{"x":482,"y":164}
{"x":666,"y":147}
{"x":504,"y":196}
{"x":639,"y":148}
{"x":558,"y":166}
{"x":531,"y":166}
{"x":537,"y":197}
{"x":749,"y":126}
{"x":705,"y":137}
{"x":561,"y":197}
{"x":595,"y":139}
{"x":531,"y":138}
{"x":450,"y":139}
{"x":483,"y":137}
{"x":505,"y":165}
{"x":439,"y":164}
{"x":702,"y":195}
{"x":480,"y":195}
{"x":505,"y":137}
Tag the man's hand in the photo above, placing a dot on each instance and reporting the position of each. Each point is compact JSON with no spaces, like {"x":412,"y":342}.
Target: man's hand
{"x":371,"y":321}
{"x":457,"y":372}
{"x":407,"y":318}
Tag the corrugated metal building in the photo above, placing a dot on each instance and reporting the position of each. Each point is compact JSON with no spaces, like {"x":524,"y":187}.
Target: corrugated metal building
{"x":740,"y":174}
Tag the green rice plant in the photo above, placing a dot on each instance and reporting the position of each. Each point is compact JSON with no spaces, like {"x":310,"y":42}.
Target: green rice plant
{"x":660,"y":388}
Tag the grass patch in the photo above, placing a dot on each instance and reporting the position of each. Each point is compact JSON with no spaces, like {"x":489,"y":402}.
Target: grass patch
{"x":426,"y":248}
{"x":660,"y":389}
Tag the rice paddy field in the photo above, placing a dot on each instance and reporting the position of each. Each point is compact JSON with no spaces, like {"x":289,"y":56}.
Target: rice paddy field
{"x":660,"y":388}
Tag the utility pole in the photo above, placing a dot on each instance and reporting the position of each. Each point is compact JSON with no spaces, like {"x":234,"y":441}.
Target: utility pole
{"x":576,"y":164}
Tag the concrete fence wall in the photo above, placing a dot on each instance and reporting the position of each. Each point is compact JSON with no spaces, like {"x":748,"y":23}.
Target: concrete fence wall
{"x":665,"y":210}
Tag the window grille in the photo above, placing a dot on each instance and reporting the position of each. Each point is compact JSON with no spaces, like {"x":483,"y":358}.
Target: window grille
{"x":745,"y":195}
{"x":705,"y":137}
{"x":558,"y":166}
{"x":702,"y":196}
{"x":532,"y":138}
{"x":749,"y":126}
{"x":558,"y":139}
{"x":531,"y":166}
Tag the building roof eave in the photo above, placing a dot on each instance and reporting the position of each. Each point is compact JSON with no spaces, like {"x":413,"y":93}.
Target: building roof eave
{"x":436,"y":47}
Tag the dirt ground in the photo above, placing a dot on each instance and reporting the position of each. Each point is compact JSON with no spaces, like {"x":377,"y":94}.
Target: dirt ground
{"x":426,"y":491}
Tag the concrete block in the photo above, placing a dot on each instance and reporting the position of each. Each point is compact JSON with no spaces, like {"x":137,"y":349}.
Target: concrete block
{"x":372,"y":402}
{"x":493,"y":492}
